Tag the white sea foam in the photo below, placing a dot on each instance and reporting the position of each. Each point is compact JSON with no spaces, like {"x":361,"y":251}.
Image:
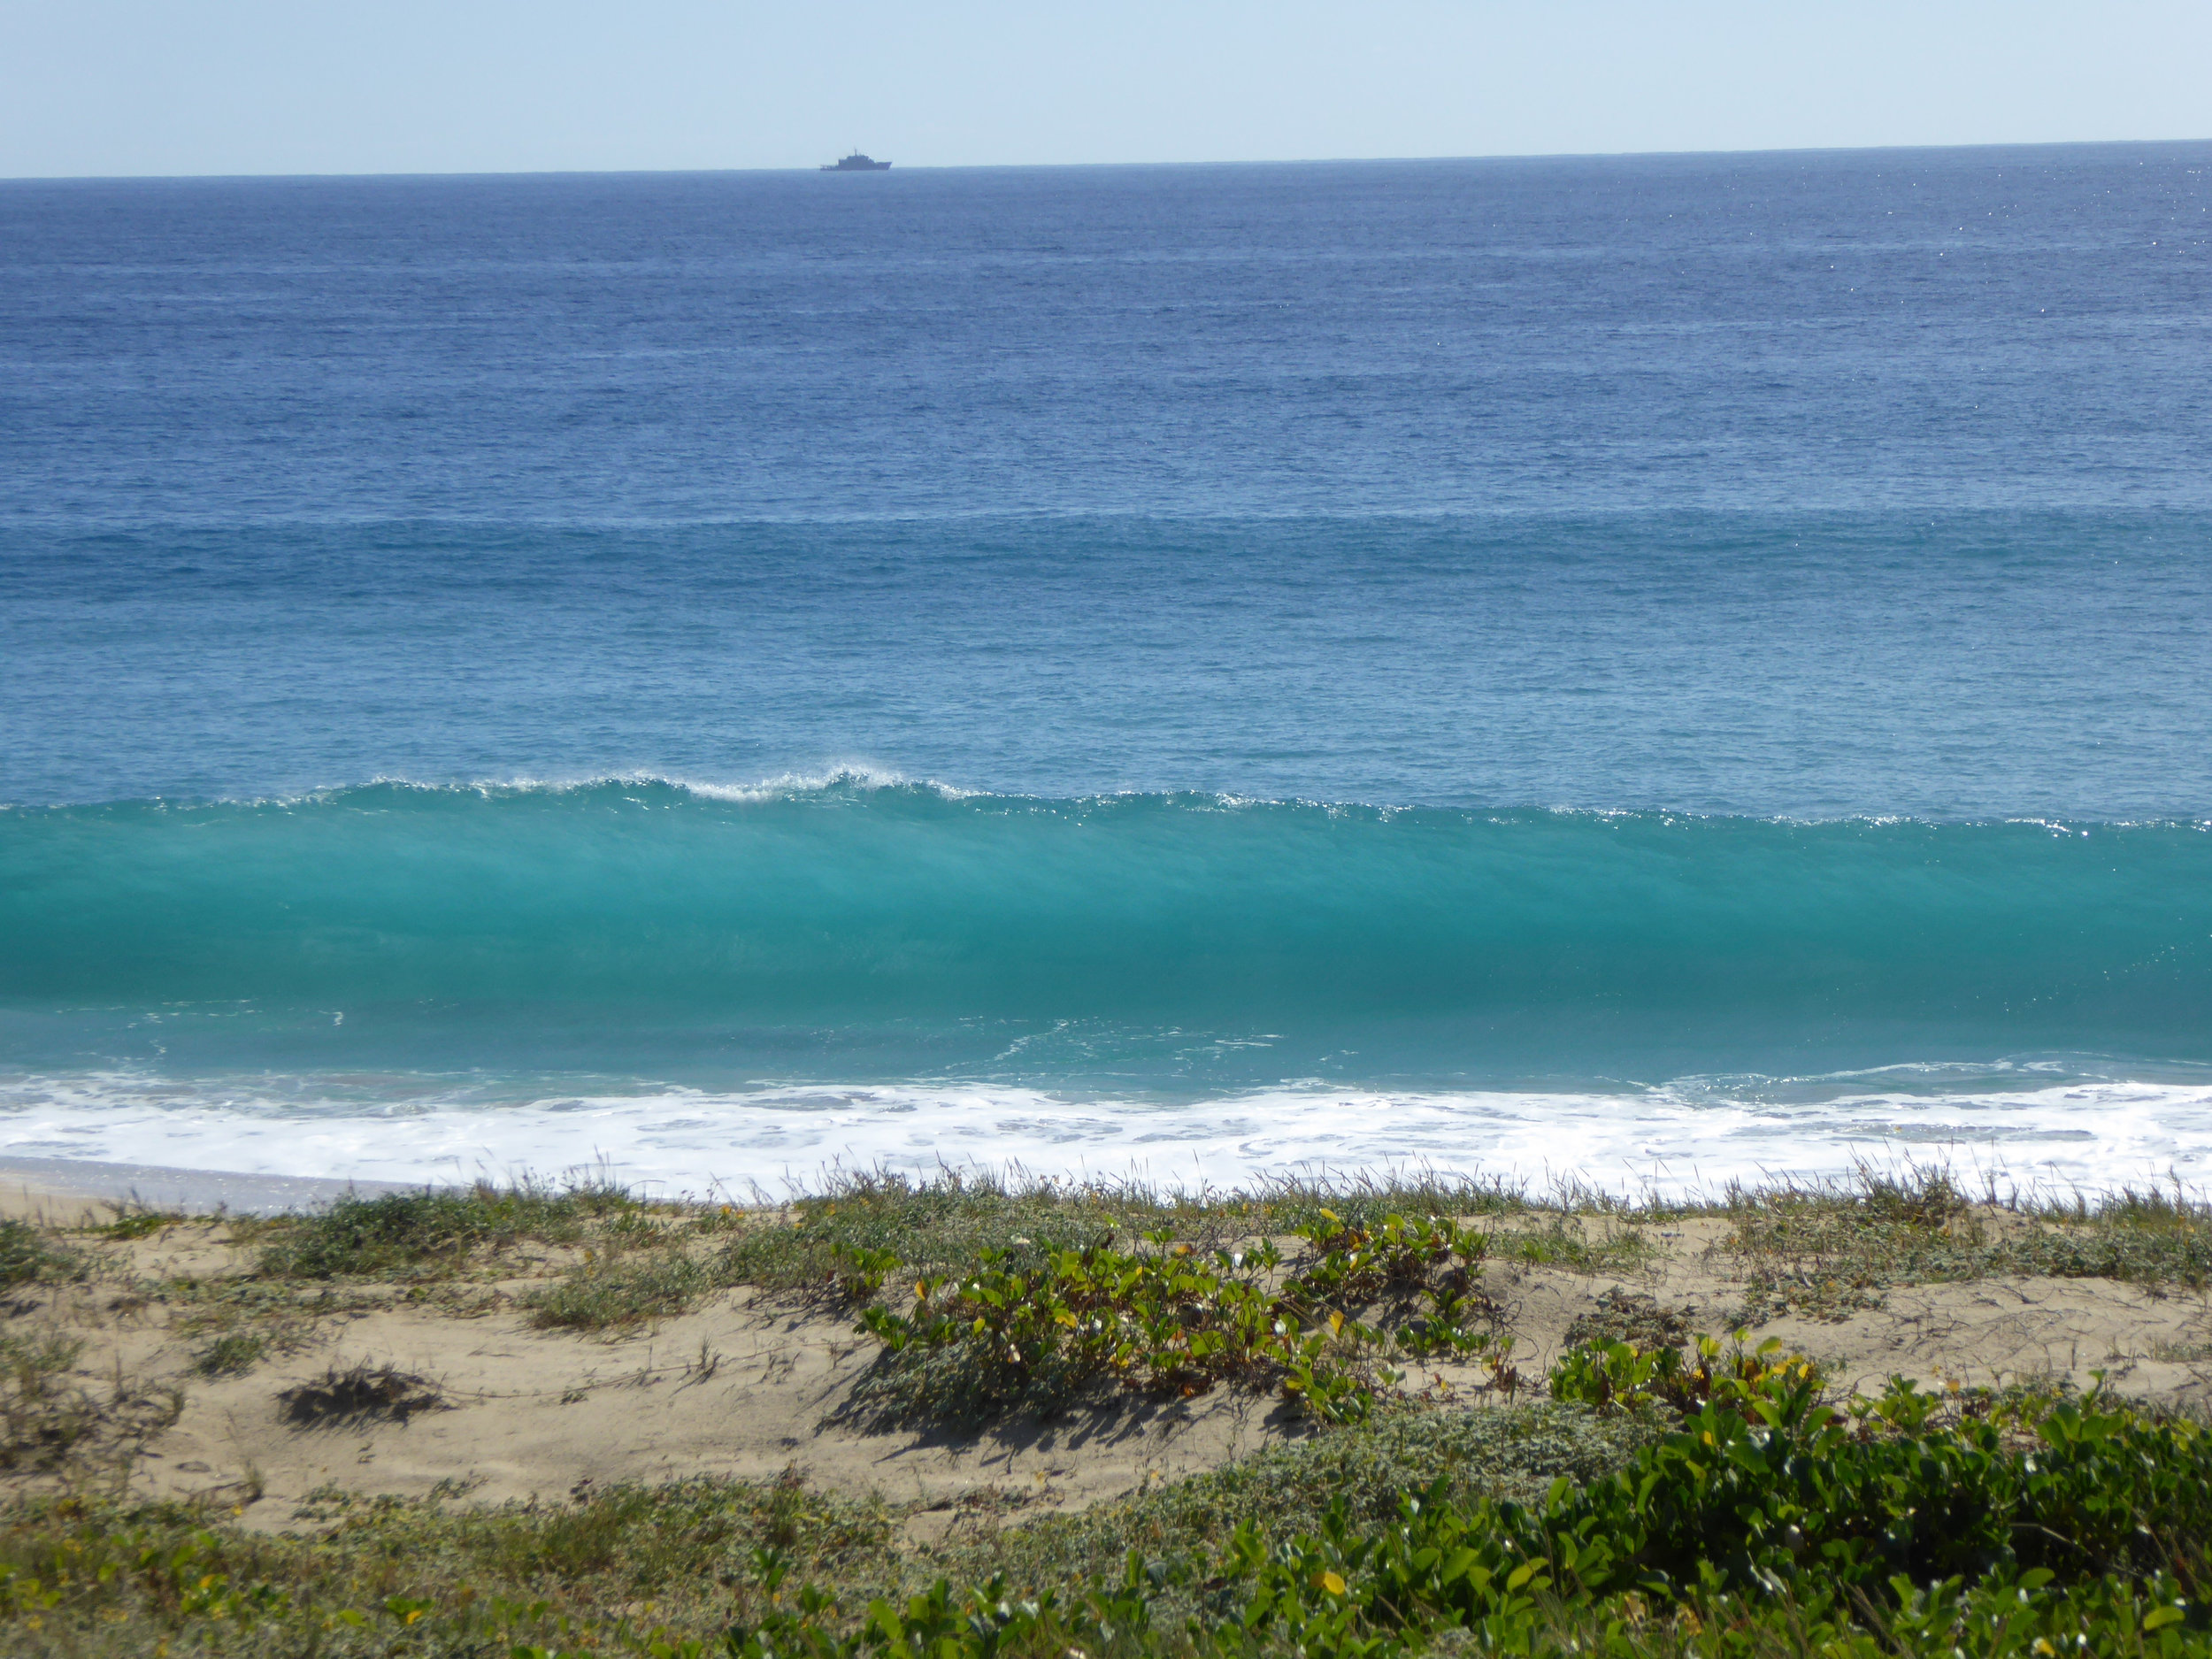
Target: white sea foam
{"x":858,"y":776}
{"x":2088,"y":1136}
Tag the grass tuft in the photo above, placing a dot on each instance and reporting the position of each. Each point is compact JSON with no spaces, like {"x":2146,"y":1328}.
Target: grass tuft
{"x":432,"y":1232}
{"x":343,"y":1398}
{"x":50,"y":1422}
{"x":231,"y":1354}
{"x":43,"y":1414}
{"x":937,"y":1225}
{"x":136,"y":1220}
{"x":1829,"y":1252}
{"x":27,"y":1256}
{"x":618,"y":1291}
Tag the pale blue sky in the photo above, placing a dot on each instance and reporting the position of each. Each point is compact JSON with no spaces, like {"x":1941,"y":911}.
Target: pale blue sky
{"x":406,"y":86}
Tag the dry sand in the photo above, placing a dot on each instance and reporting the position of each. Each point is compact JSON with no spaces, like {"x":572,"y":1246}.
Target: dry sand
{"x":750,"y":1384}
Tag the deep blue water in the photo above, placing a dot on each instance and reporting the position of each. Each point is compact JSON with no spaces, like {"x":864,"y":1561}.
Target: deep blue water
{"x":1454,"y":636}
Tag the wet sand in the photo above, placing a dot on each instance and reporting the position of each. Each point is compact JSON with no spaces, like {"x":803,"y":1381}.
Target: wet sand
{"x":61,"y":1190}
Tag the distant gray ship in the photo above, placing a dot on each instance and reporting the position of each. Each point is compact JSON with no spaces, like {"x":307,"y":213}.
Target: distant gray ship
{"x":856,"y":163}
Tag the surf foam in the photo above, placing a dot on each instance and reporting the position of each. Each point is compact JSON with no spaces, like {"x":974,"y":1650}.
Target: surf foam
{"x":1677,"y":1139}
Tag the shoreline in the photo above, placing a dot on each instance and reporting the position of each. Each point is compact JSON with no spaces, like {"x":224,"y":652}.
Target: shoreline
{"x":55,"y":1189}
{"x":2033,"y":1135}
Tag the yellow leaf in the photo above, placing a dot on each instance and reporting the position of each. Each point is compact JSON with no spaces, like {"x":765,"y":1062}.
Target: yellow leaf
{"x":1336,"y":1325}
{"x":1333,"y":1583}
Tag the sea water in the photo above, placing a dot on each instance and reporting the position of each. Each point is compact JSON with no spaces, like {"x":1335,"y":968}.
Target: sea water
{"x":1646,"y":670}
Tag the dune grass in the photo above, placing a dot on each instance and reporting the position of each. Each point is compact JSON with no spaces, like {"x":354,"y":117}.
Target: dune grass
{"x":430,"y":1232}
{"x":1606,"y":1519}
{"x":690,"y":1555}
{"x":943,"y":1224}
{"x":1731,"y":1512}
{"x":1827,"y":1252}
{"x":53,"y":1423}
{"x":618,"y":1291}
{"x":28,"y":1255}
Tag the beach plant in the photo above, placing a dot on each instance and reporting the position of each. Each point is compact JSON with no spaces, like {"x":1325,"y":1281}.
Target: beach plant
{"x":1663,"y":1491}
{"x":1621,"y":1314}
{"x":818,"y":1243}
{"x":1755,"y":1516}
{"x":53,"y":1421}
{"x":1618,"y":1376}
{"x":941,"y":1223}
{"x":1767,"y":1522}
{"x":359,"y":1392}
{"x":1827,"y":1253}
{"x":136,"y":1221}
{"x":618,"y":1289}
{"x":231,"y":1354}
{"x":433,"y":1230}
{"x":26,"y":1255}
{"x":43,"y":1414}
{"x":1288,"y":1488}
{"x":1167,"y":1319}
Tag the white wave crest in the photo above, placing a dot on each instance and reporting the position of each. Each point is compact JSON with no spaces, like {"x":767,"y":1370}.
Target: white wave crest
{"x":856,"y":777}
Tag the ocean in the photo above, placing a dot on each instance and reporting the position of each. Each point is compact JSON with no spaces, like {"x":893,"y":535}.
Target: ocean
{"x":1647,"y":671}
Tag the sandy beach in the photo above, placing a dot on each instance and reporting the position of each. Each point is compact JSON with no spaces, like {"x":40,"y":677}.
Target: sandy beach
{"x":749,"y":1380}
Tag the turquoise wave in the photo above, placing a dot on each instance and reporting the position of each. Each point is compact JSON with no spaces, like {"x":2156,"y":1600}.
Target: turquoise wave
{"x":887,"y":928}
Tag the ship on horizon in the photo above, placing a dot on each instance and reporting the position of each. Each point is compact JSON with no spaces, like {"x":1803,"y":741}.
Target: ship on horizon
{"x":856,"y":163}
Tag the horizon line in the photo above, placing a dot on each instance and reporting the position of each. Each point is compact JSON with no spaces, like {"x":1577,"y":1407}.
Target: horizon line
{"x":1041,"y":166}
